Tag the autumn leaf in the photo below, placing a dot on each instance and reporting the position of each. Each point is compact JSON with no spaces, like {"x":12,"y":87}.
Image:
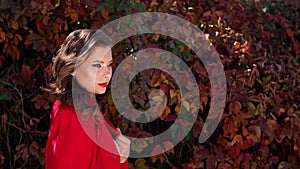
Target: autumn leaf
{"x":175,"y":98}
{"x":14,"y":25}
{"x":237,"y":139}
{"x":219,"y":13}
{"x":105,"y":13}
{"x":72,"y":13}
{"x":166,"y":147}
{"x":42,"y":100}
{"x":26,"y":74}
{"x":235,"y":107}
{"x":13,"y":51}
{"x":204,"y":100}
{"x":156,"y":79}
{"x":201,"y":153}
{"x":39,"y":25}
{"x":36,"y":40}
{"x":165,"y":114}
{"x":1,"y":60}
{"x":155,"y":37}
{"x":255,"y":133}
{"x":3,"y":124}
{"x":18,"y":38}
{"x":206,"y":14}
{"x":2,"y":36}
{"x":138,"y":145}
{"x":224,"y":166}
{"x":140,"y":163}
{"x":236,"y":45}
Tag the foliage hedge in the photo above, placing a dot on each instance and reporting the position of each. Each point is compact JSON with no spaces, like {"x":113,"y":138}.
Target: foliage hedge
{"x":258,"y":43}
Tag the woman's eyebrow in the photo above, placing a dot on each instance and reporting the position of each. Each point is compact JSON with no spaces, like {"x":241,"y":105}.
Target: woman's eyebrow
{"x":97,"y":61}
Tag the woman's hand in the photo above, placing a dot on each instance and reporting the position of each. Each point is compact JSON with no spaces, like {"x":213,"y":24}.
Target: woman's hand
{"x":124,"y":146}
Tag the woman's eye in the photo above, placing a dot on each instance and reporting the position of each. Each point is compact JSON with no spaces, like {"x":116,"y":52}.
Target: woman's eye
{"x":96,"y":65}
{"x":109,"y":65}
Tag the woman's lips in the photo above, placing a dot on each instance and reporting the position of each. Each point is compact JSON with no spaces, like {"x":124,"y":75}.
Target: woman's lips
{"x":103,"y":84}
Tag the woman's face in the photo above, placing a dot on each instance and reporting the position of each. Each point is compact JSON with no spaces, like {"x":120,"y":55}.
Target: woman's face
{"x":95,"y":73}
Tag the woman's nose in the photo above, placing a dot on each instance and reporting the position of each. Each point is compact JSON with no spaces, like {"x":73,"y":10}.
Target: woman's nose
{"x":106,"y":71}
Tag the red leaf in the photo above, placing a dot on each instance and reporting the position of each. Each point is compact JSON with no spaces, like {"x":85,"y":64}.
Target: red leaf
{"x":164,"y":88}
{"x":171,"y":118}
{"x":26,"y":73}
{"x":211,"y":161}
{"x":1,"y":60}
{"x":201,"y":154}
{"x":13,"y":51}
{"x":244,"y":131}
{"x":151,"y":45}
{"x":224,"y":166}
{"x":39,"y":25}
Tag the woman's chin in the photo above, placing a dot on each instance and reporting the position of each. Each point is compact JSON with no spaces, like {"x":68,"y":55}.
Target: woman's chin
{"x":102,"y":91}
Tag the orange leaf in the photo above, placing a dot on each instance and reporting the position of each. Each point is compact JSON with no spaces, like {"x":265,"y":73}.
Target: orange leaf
{"x":237,"y":139}
{"x":165,"y":113}
{"x":236,"y":45}
{"x":177,"y":109}
{"x":105,"y":13}
{"x":20,"y":38}
{"x":156,"y":79}
{"x":14,"y":25}
{"x":2,"y":35}
{"x":219,"y":13}
{"x":155,"y":37}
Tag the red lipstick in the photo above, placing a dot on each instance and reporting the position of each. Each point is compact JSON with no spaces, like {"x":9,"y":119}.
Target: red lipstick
{"x":103,"y":84}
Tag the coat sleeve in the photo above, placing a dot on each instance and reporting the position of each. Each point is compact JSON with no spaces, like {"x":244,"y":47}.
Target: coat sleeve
{"x":114,"y":133}
{"x":66,"y":145}
{"x":124,"y":165}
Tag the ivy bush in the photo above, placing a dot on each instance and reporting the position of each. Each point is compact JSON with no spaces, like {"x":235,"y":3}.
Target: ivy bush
{"x":258,"y":44}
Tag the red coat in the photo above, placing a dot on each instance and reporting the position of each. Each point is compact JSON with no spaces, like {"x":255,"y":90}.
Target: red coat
{"x":69,"y":147}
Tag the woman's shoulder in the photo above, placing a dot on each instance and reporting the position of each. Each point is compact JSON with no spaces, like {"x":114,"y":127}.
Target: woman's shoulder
{"x":62,"y":110}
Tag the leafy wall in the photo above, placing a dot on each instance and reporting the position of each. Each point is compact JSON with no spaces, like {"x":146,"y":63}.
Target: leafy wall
{"x":258,"y":43}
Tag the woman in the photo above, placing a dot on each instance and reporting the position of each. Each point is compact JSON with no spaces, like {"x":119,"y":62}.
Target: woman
{"x":79,"y":137}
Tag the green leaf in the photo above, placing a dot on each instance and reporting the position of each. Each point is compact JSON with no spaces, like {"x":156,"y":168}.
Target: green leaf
{"x":294,"y":61}
{"x":123,"y":6}
{"x":251,"y":108}
{"x":5,"y":96}
{"x":267,"y":79}
{"x":3,"y":81}
{"x":141,"y":7}
{"x":186,"y":54}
